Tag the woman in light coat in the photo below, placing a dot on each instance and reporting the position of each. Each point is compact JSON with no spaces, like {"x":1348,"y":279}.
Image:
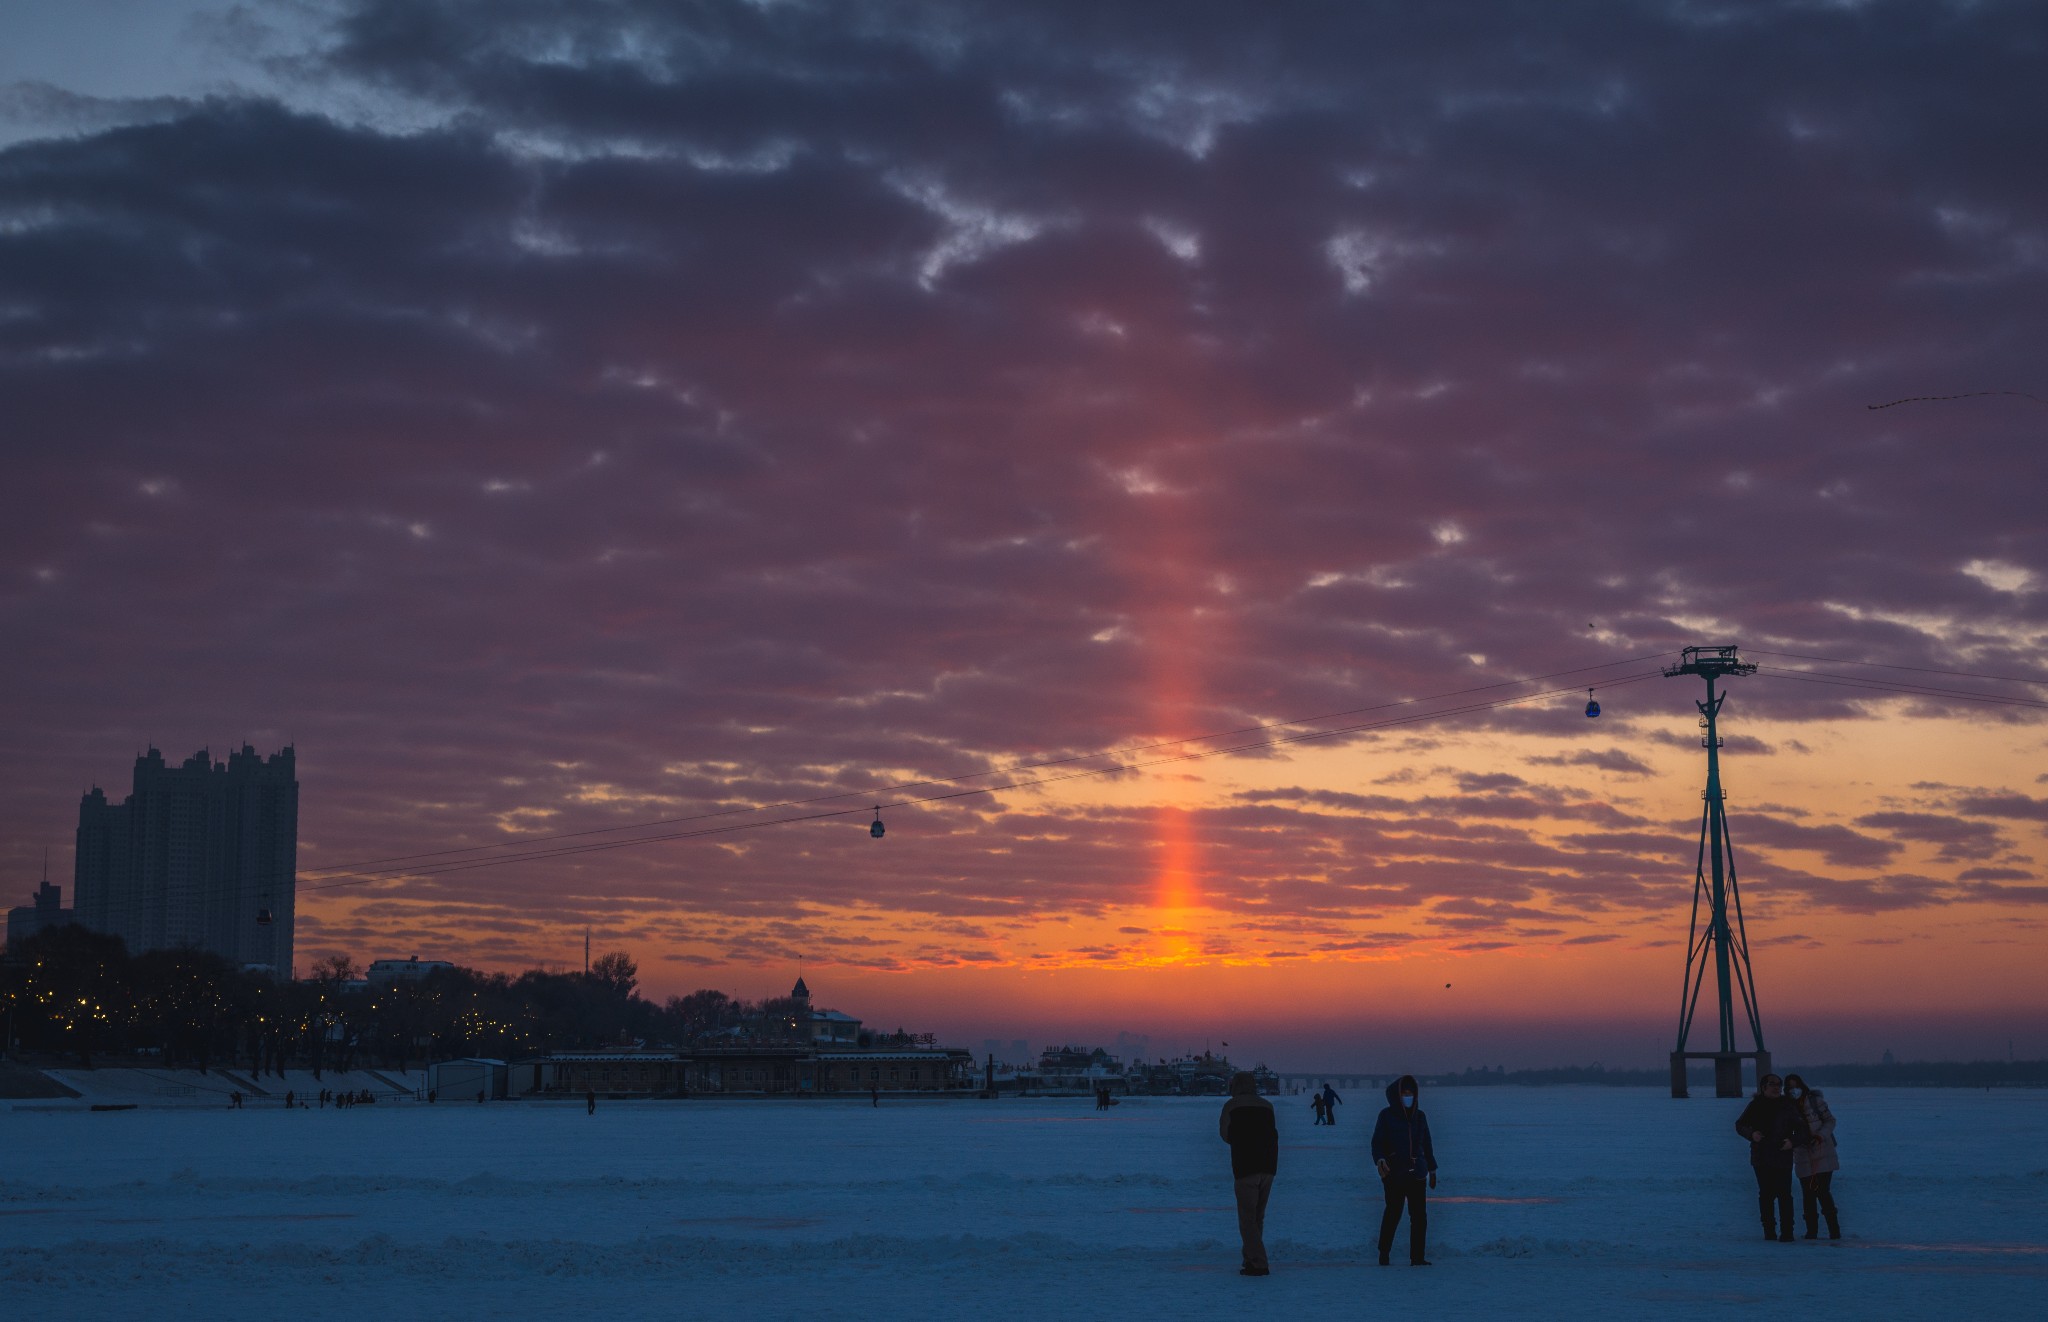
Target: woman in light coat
{"x":1816,"y":1161}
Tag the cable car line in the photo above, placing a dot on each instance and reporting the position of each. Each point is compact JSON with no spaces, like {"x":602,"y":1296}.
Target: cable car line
{"x":1968,"y":394}
{"x":350,"y":869}
{"x":1898,"y":689}
{"x":465,"y":865}
{"x":461,"y":865}
{"x":336,"y":877}
{"x":1884,"y":665}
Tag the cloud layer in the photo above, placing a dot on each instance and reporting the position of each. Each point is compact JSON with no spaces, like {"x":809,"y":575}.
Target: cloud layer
{"x":628,"y":410}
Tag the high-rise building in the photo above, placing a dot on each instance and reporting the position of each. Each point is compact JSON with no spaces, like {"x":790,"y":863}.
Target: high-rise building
{"x":204,"y":854}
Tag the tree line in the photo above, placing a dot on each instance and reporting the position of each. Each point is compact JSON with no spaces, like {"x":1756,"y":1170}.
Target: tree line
{"x":78,"y":995}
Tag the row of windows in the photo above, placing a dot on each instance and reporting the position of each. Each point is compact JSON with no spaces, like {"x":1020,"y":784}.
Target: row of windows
{"x":874,"y":1074}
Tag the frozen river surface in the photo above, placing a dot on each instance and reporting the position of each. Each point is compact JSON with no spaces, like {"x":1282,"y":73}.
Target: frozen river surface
{"x":1552,"y":1202}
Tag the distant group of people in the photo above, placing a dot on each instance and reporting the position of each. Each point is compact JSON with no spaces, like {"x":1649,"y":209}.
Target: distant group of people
{"x":293,"y":1102}
{"x":1103,"y":1101}
{"x":1788,"y":1125}
{"x":1791,"y":1132}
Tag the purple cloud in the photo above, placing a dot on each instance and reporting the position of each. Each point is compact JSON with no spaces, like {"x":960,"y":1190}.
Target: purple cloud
{"x":734,"y":404}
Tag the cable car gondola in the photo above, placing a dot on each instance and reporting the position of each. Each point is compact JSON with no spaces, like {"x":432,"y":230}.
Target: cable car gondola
{"x":1592,"y":707}
{"x":875,"y":828}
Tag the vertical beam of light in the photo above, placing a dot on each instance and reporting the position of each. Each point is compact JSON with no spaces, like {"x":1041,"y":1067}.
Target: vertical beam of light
{"x":1180,"y":624}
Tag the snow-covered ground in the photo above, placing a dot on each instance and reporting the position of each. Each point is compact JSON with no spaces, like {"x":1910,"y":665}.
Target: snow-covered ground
{"x":1553,"y":1202}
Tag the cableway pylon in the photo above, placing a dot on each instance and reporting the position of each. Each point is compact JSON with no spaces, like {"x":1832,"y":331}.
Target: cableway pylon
{"x":1722,"y":942}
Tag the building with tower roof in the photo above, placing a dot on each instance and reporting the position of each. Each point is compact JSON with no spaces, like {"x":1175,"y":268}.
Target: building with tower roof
{"x":825,"y":1027}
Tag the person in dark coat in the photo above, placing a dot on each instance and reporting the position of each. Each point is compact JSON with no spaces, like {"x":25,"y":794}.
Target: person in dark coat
{"x":590,"y":1102}
{"x":1315,"y":1103}
{"x":1330,"y":1103}
{"x":1815,"y":1161}
{"x":1248,"y":1126}
{"x":1406,"y":1159}
{"x":1774,"y":1128}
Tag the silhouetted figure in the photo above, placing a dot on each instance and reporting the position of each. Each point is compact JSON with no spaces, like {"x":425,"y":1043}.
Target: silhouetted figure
{"x":479,"y":1097}
{"x":1406,"y":1160}
{"x":1774,"y":1128}
{"x":1248,"y":1125}
{"x":875,"y":1095}
{"x":1815,"y":1161}
{"x":1315,"y":1103}
{"x":433,"y":1095}
{"x":590,"y":1102}
{"x":1330,"y":1102}
{"x":235,"y":1100}
{"x":290,"y":1099}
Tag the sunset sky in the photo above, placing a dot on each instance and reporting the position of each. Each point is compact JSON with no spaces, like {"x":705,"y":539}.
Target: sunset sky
{"x":554,"y":415}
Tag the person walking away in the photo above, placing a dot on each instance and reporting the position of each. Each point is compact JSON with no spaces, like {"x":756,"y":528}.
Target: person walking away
{"x":1775,"y":1130}
{"x":1315,"y":1103}
{"x":875,"y":1095}
{"x":590,"y":1102}
{"x":290,"y":1099}
{"x":1248,"y":1126}
{"x":1330,"y":1101}
{"x":1406,"y":1160}
{"x":1816,"y":1160}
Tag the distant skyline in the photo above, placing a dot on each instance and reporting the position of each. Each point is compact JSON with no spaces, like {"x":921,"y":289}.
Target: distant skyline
{"x":552,"y":416}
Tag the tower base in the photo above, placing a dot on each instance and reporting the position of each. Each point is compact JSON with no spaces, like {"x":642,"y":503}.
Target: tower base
{"x":1727,"y":1070}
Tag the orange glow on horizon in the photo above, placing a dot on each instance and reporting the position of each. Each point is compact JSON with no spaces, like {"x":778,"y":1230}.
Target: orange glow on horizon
{"x":1229,"y":918}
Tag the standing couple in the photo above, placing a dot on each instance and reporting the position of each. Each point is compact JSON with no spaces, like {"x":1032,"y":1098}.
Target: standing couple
{"x":1401,"y":1152}
{"x":1790,"y":1129}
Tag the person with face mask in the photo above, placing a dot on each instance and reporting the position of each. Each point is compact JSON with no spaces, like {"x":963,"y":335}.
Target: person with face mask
{"x":1816,"y":1160}
{"x":1406,"y":1160}
{"x":1775,"y":1130}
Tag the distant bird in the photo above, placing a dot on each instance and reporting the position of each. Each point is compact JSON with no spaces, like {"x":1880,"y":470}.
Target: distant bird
{"x":1447,"y":986}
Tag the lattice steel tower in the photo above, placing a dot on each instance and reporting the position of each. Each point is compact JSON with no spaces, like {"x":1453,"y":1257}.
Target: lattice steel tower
{"x":1721,"y":942}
